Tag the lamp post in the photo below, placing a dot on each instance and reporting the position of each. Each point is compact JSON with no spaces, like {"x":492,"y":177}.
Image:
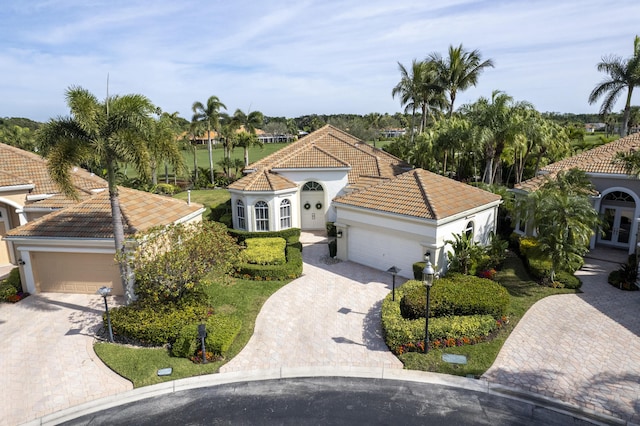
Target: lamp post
{"x":427,"y":278}
{"x":104,"y":292}
{"x":393,"y":271}
{"x":202,"y":334}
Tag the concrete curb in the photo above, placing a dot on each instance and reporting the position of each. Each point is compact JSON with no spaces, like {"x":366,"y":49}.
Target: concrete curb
{"x":302,"y":372}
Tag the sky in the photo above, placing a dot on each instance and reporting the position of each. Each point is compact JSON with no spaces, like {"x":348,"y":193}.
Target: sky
{"x":292,"y":58}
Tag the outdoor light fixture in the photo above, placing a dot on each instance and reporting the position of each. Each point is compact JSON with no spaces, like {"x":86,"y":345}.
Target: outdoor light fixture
{"x":393,"y":271}
{"x":104,"y":292}
{"x":427,"y":278}
{"x":339,"y":234}
{"x":202,"y":333}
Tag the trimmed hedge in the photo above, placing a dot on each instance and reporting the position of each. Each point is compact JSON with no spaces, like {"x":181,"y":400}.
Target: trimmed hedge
{"x":291,"y":269}
{"x":568,"y":280}
{"x":291,"y":235}
{"x":266,"y":251}
{"x":221,"y":332}
{"x":155,"y":325}
{"x":418,"y":267}
{"x":398,"y":331}
{"x":455,"y":295}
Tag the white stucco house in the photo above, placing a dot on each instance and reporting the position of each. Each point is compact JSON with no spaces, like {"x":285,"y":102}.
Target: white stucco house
{"x":67,"y":246}
{"x":386,"y":213}
{"x":617,"y":197}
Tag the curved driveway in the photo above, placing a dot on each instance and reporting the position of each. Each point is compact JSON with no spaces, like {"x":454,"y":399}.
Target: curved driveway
{"x":329,"y":317}
{"x":583,"y":349}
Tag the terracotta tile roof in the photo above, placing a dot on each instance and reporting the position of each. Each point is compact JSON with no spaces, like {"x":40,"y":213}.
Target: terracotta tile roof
{"x":330,"y":147}
{"x":420,"y":193}
{"x":19,"y":167}
{"x":596,"y":160}
{"x":262,"y":180}
{"x":91,"y":218}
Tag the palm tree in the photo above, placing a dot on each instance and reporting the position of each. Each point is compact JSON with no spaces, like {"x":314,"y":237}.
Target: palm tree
{"x":163,"y":146}
{"x":408,"y":89}
{"x":622,"y":74}
{"x":111,"y":132}
{"x":248,"y":123}
{"x":210,"y":115}
{"x":459,"y":71}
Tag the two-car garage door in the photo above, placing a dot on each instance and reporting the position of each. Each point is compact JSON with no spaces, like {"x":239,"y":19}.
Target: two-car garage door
{"x":381,"y":250}
{"x":75,"y":272}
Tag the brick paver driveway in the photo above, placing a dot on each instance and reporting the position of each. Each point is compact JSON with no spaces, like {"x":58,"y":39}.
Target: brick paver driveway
{"x":47,"y":361}
{"x":328,"y":317}
{"x":583,"y":349}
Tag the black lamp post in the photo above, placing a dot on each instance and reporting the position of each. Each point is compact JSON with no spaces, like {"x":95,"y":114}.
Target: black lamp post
{"x":427,"y":278}
{"x":202,"y":334}
{"x":104,"y":292}
{"x":393,"y":271}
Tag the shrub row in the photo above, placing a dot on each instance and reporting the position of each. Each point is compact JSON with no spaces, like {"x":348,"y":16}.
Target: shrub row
{"x":291,"y":235}
{"x":266,"y":251}
{"x":221,"y":330}
{"x":155,"y":325}
{"x":455,"y":295}
{"x":399,"y":331}
{"x":540,"y":269}
{"x":291,"y":269}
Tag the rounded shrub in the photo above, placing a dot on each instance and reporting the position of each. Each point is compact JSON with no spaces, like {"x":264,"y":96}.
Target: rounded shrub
{"x":568,"y":280}
{"x":222,"y":329}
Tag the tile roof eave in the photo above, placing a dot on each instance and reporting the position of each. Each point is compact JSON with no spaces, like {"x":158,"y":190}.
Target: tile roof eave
{"x":297,"y":169}
{"x":19,"y":187}
{"x":385,"y":213}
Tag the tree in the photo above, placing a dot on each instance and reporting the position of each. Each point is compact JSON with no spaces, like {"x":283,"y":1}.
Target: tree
{"x":248,"y":123}
{"x":408,"y":89}
{"x":163,"y":146}
{"x":459,"y":71}
{"x":622,"y":74}
{"x":113,"y":132}
{"x":210,"y":115}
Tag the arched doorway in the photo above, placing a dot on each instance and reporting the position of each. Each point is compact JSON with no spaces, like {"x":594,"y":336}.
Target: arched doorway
{"x":312,"y":206}
{"x":618,"y":211}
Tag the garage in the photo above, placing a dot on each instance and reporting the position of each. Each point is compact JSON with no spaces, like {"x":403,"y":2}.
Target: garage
{"x":62,"y":272}
{"x":382,"y":249}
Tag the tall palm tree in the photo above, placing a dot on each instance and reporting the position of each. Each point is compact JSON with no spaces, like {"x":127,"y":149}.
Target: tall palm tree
{"x":460,"y":70}
{"x":408,"y":89}
{"x":210,"y":115}
{"x":112,"y":132}
{"x":622,"y":74}
{"x":163,"y":146}
{"x":248,"y":123}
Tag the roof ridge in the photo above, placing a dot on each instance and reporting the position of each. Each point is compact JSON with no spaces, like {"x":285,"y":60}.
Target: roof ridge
{"x":324,"y":151}
{"x":423,"y":191}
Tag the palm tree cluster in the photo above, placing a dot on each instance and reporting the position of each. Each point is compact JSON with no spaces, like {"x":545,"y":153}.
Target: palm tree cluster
{"x":238,"y":129}
{"x":621,"y":74}
{"x":479,"y":137}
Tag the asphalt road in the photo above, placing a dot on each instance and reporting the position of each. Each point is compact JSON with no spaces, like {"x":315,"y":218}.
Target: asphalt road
{"x":328,"y":401}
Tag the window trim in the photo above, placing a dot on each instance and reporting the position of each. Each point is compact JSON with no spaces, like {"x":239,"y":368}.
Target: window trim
{"x":261,"y":209}
{"x":285,"y":214}
{"x":241,"y":215}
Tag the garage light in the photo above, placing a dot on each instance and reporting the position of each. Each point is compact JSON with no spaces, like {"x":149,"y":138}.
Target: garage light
{"x":104,"y":292}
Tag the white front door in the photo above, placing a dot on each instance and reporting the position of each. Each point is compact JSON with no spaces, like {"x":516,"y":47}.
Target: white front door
{"x":312,"y":206}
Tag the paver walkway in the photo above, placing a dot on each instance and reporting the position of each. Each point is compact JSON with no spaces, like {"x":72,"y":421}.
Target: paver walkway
{"x":47,"y":361}
{"x":583,"y":349}
{"x":328,"y":317}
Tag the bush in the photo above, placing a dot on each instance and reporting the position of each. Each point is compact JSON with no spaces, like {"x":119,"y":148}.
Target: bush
{"x":291,"y":269}
{"x":291,"y":235}
{"x":331,"y":229}
{"x":568,"y":280}
{"x":155,"y":324}
{"x":227,"y":220}
{"x":418,"y":267}
{"x":221,"y":332}
{"x":6,"y":291}
{"x":219,"y":211}
{"x":527,"y":245}
{"x":398,"y":331}
{"x":165,"y":189}
{"x":14,"y":279}
{"x":456,"y":294}
{"x":266,"y":251}
{"x":625,"y":278}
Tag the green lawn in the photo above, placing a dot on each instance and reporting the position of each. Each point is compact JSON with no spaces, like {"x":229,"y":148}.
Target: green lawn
{"x":210,"y":198}
{"x":244,"y":298}
{"x":524,"y":293}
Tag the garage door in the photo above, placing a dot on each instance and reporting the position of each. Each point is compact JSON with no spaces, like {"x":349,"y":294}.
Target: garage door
{"x":75,"y":272}
{"x":381,"y":249}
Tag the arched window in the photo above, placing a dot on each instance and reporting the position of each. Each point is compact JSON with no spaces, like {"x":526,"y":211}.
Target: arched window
{"x":312,"y":186}
{"x":468,"y":230}
{"x":262,"y":216}
{"x":240,"y":213}
{"x":285,"y":214}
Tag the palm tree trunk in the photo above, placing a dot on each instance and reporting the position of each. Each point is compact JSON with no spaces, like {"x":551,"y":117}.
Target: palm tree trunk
{"x":627,"y":113}
{"x":166,"y":173}
{"x":210,"y":152}
{"x":126,"y":275}
{"x":246,"y":156}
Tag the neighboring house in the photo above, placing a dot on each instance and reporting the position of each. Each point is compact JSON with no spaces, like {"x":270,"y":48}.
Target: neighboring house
{"x":62,"y":245}
{"x":386,"y":213}
{"x":618,"y":194}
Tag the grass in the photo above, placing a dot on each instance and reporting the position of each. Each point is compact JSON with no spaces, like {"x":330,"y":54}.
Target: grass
{"x":210,"y":198}
{"x":524,"y":293}
{"x":243,"y":298}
